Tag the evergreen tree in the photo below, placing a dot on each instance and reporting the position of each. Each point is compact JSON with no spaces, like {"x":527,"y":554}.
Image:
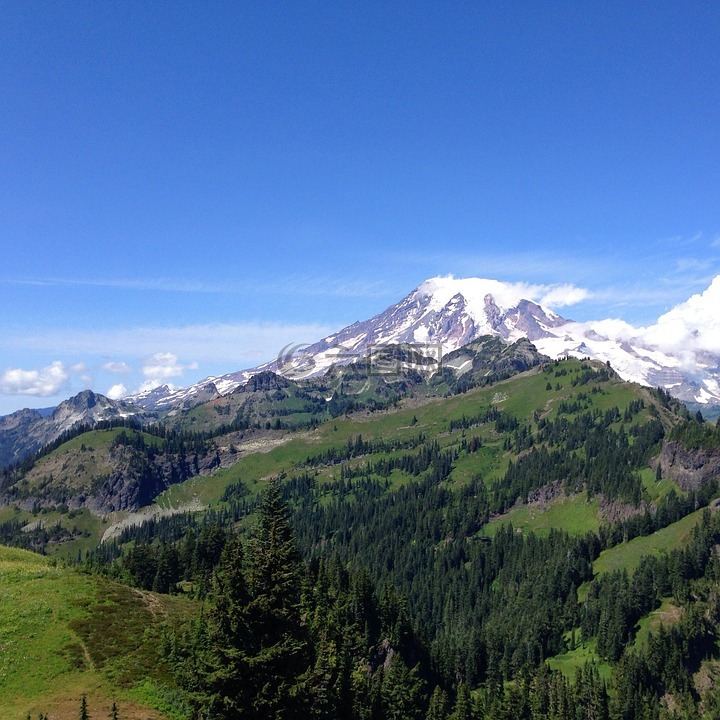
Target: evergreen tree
{"x":402,"y":691}
{"x":257,"y":658}
{"x":279,"y":652}
{"x":437,"y":709}
{"x":84,"y":714}
{"x":463,"y":704}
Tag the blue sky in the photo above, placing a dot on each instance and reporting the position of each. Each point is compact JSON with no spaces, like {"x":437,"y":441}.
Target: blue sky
{"x":187,"y":187}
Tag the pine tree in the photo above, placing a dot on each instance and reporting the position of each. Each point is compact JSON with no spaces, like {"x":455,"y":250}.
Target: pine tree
{"x":84,"y":714}
{"x":463,"y":704}
{"x":438,"y":705}
{"x":279,"y":653}
{"x":221,"y":651}
{"x":257,"y":656}
{"x":402,"y":691}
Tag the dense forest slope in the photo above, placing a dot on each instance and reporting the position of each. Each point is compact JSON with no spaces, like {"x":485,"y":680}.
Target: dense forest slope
{"x":539,"y":540}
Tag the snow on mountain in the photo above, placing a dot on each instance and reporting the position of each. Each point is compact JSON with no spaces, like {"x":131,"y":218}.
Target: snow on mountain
{"x":165,"y":397}
{"x":681,"y":352}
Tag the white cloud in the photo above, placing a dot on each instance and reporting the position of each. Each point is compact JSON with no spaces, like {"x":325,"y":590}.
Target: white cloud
{"x":556,"y":296}
{"x":117,"y":367}
{"x":551,"y":296}
{"x":44,"y":382}
{"x":162,"y":365}
{"x":687,"y":331}
{"x":116,"y":392}
{"x":151,"y":384}
{"x":506,"y":294}
{"x":611,"y":328}
{"x":690,"y":327}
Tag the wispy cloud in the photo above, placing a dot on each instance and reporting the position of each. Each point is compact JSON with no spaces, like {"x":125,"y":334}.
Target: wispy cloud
{"x":696,"y":265}
{"x":557,"y":296}
{"x":117,"y":367}
{"x":295,"y":285}
{"x":146,"y":284}
{"x":581,"y":262}
{"x":330,"y":287}
{"x":532,"y":267}
{"x":213,"y":342}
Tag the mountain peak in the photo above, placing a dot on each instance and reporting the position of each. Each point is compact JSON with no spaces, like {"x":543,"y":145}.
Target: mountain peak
{"x":444,"y":313}
{"x":476,"y":292}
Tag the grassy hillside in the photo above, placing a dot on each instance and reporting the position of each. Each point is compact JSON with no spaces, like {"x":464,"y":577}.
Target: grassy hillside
{"x":63,"y":634}
{"x":525,"y":397}
{"x":79,"y":465}
{"x":565,"y":389}
{"x":627,"y":556}
{"x":419,"y":494}
{"x":573,"y":514}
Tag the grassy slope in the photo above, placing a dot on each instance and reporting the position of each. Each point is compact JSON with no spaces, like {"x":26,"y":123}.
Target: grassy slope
{"x":570,"y":662}
{"x":575,"y":515}
{"x":79,"y":464}
{"x":63,"y":634}
{"x":526,"y":396}
{"x":667,"y":614}
{"x":627,"y":556}
{"x":520,"y":396}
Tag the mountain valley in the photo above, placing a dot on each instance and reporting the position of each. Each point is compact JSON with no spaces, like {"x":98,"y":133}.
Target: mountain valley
{"x":486,"y":533}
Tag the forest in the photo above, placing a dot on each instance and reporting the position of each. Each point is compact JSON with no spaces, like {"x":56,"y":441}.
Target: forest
{"x":378,"y":573}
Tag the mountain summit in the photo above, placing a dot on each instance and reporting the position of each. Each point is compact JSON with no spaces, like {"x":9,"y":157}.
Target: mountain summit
{"x":445,"y":313}
{"x":438,"y":317}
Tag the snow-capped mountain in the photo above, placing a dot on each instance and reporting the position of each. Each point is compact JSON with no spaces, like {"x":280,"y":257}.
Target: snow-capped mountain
{"x":164,"y":397}
{"x":444,"y":314}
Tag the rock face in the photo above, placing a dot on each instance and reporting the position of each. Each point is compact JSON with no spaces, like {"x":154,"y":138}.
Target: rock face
{"x":127,"y":478}
{"x":490,"y":358}
{"x":16,"y":439}
{"x":137,"y":481}
{"x":690,"y":469}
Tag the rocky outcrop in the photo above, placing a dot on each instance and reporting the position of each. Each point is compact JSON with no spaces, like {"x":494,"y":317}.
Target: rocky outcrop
{"x":690,"y":469}
{"x":490,"y":359}
{"x":138,"y":480}
{"x":16,"y":441}
{"x":264,"y":382}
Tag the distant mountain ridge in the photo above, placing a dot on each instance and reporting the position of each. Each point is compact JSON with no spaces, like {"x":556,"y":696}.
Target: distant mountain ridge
{"x":443,"y":314}
{"x":25,"y":431}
